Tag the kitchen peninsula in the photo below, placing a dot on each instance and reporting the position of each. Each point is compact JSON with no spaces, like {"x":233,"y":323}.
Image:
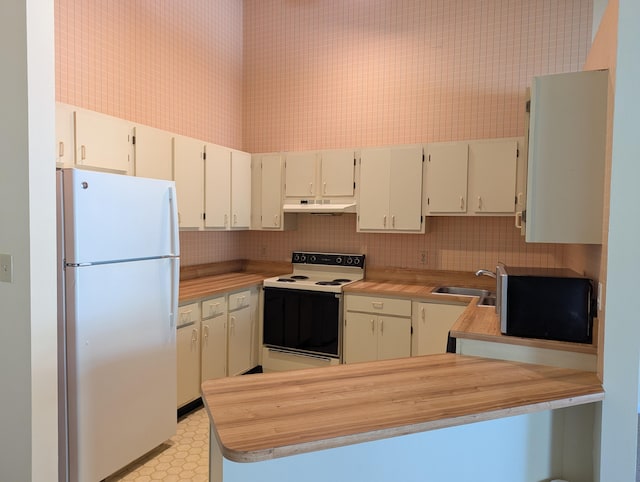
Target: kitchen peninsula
{"x":380,"y":419}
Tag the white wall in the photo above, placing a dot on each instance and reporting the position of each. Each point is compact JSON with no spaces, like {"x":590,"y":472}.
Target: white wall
{"x":622,"y":330}
{"x":525,"y":448}
{"x":28,"y":398}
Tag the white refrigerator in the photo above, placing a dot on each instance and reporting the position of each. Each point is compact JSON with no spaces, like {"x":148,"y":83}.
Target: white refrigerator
{"x":118,"y":279}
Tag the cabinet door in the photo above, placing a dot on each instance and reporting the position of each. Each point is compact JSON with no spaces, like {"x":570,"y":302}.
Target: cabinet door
{"x":567,"y":150}
{"x":431,"y":325}
{"x":153,"y":156}
{"x":300,"y":175}
{"x":373,"y":205}
{"x":405,"y":189}
{"x":492,"y":176}
{"x":214,"y":347}
{"x":188,"y":171}
{"x":446,"y":178}
{"x":240,"y":341}
{"x":271,"y":195}
{"x":394,"y":337}
{"x":64,"y":135}
{"x":360,"y":337}
{"x":188,"y":363}
{"x":102,"y":141}
{"x":217,"y":186}
{"x":337,"y":173}
{"x":240,"y":190}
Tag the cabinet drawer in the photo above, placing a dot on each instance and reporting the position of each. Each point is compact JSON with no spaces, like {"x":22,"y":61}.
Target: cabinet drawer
{"x":214,"y":307}
{"x":239,"y":300}
{"x":188,"y":314}
{"x":377,"y":304}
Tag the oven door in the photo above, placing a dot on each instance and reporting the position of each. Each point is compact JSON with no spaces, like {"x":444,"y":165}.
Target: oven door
{"x":305,"y":321}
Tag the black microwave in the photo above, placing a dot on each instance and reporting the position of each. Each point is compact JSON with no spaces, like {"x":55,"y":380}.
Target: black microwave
{"x":548,"y":303}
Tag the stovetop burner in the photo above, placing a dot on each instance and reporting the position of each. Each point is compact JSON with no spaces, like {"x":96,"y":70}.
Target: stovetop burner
{"x":325,"y":272}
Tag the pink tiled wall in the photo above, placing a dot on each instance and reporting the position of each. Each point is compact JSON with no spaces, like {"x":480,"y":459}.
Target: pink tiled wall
{"x":175,"y":65}
{"x":335,"y":73}
{"x":331,"y":74}
{"x":270,"y":75}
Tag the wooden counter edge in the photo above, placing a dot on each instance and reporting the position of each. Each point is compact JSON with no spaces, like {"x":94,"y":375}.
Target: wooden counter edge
{"x":336,"y":442}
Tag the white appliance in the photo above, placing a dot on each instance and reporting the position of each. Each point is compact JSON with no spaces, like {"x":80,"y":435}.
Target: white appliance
{"x":118,"y":251}
{"x":302,"y":317}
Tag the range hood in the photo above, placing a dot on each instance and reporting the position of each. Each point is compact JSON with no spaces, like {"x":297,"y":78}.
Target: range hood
{"x":319,"y":207}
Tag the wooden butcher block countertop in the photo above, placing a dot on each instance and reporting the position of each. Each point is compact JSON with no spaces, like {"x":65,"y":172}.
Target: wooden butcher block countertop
{"x":201,"y":281}
{"x":265,"y":416}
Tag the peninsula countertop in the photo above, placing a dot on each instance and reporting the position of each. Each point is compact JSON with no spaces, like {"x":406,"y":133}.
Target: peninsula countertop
{"x":265,"y":416}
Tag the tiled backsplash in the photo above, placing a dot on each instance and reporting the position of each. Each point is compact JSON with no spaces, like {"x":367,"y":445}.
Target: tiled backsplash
{"x":450,"y":243}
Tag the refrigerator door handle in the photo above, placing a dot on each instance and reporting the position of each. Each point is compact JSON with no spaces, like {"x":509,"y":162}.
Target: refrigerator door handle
{"x":175,"y":284}
{"x":173,"y":221}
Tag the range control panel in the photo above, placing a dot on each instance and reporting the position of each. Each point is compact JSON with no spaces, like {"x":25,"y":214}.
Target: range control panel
{"x":328,"y":259}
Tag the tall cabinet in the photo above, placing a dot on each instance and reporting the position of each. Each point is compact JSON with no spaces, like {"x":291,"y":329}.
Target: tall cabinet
{"x":566,"y":162}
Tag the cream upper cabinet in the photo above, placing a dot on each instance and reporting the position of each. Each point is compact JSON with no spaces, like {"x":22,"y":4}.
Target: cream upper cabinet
{"x":300,"y":174}
{"x":227,"y":188}
{"x":446,"y":177}
{"x":153,"y":153}
{"x":217,"y":169}
{"x":267,"y":194}
{"x":103,"y":142}
{"x":391,"y":189}
{"x":318,"y":175}
{"x":240,"y":215}
{"x":566,"y":162}
{"x":188,"y":170}
{"x":337,"y":173}
{"x":472,"y":178}
{"x":270,"y":192}
{"x":64,"y":135}
{"x":492,"y":176}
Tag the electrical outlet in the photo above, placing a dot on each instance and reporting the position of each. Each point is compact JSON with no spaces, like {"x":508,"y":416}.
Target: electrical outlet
{"x":423,"y":257}
{"x":6,"y":268}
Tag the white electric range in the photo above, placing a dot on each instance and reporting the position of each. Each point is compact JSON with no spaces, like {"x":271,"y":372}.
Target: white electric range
{"x":302,"y":322}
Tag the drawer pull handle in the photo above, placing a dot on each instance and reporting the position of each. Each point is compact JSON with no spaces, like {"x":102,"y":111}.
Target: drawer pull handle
{"x":377,"y":304}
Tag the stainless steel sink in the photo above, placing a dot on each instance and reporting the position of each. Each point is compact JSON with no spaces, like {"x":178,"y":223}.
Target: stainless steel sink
{"x":487,"y":298}
{"x":455,"y":290}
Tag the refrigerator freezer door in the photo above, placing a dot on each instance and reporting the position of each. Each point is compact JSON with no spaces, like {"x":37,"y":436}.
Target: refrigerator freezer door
{"x":120,"y":336}
{"x":111,"y":217}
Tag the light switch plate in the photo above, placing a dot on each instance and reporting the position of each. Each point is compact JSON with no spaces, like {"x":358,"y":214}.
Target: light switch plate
{"x":6,"y":268}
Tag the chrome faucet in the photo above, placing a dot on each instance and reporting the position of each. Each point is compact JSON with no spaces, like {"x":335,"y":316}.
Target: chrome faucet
{"x":485,"y":272}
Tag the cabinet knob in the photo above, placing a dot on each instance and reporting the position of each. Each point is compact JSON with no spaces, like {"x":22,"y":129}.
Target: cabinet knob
{"x":384,"y":221}
{"x":393,"y":221}
{"x":60,"y":149}
{"x":461,"y":203}
{"x":377,"y":304}
{"x":226,"y":220}
{"x":83,"y":153}
{"x":310,"y":188}
{"x":235,"y":219}
{"x":479,"y":202}
{"x":518,"y":221}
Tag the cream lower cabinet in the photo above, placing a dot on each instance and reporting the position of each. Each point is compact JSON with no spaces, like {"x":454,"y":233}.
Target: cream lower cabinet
{"x":376,"y":328}
{"x":431,"y":324}
{"x":214,"y":338}
{"x":241,"y":332}
{"x":188,"y":353}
